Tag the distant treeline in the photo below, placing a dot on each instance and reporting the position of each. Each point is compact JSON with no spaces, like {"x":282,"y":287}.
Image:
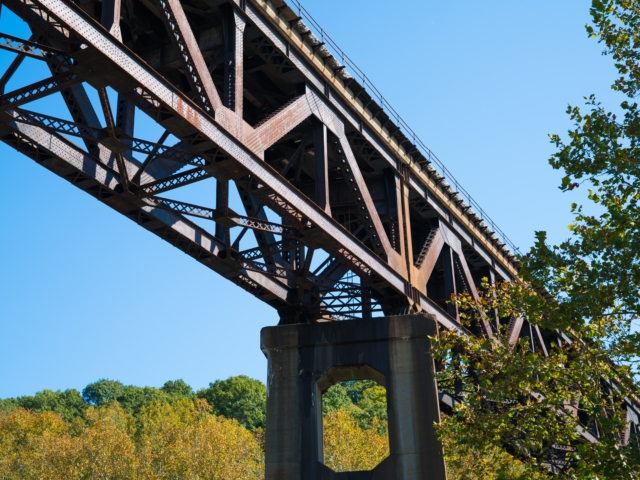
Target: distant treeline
{"x":116,"y":431}
{"x":239,"y":398}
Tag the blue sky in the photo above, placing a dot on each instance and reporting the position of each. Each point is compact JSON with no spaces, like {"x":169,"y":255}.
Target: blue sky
{"x":86,"y":294}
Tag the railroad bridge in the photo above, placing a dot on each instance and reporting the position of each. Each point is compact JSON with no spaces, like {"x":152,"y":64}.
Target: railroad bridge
{"x":344,"y":213}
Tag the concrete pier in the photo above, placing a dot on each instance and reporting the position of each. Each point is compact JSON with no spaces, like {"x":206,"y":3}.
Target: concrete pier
{"x":306,"y":359}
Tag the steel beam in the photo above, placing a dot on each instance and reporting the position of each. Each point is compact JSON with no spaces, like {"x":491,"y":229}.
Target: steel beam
{"x":111,"y":17}
{"x":38,"y":90}
{"x":174,"y":181}
{"x":84,"y":171}
{"x":194,"y":65}
{"x":33,"y":49}
{"x":158,"y":98}
{"x":321,"y":160}
{"x":233,"y":27}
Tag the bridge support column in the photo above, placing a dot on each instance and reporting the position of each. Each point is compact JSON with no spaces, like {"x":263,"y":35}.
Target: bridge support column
{"x":306,"y":359}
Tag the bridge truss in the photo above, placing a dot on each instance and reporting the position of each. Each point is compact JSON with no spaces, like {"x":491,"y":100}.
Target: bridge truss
{"x":341,"y":212}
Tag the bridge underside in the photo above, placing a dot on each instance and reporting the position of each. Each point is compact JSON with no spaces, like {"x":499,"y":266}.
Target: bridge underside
{"x":230,"y":131}
{"x":269,"y":164}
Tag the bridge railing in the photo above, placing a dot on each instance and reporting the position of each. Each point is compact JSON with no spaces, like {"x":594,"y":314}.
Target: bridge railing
{"x":372,"y":90}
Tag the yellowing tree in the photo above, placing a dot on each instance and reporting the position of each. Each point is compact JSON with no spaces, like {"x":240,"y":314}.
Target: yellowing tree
{"x":348,"y":447}
{"x":184,"y":440}
{"x":104,"y":448}
{"x":35,"y":446}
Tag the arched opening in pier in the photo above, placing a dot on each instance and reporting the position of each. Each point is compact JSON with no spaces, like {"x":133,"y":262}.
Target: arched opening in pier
{"x":354,"y":420}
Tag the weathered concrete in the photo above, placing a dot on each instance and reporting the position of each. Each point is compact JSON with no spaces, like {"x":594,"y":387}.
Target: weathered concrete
{"x":306,"y":359}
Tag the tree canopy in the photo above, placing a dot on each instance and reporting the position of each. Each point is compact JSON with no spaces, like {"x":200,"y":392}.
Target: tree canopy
{"x":173,"y":433}
{"x":240,"y":398}
{"x":165,"y":441}
{"x":546,"y":409}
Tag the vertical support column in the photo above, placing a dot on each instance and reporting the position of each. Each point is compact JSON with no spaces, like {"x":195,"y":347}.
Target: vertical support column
{"x":301,"y":261}
{"x":222,"y":205}
{"x":449,"y":278}
{"x":404,"y":222}
{"x":295,"y":256}
{"x":111,"y":17}
{"x":394,"y":196}
{"x":366,"y":300}
{"x":399,"y":219}
{"x":125,"y":120}
{"x":494,"y":313}
{"x":233,"y":27}
{"x":123,"y":171}
{"x":321,"y":160}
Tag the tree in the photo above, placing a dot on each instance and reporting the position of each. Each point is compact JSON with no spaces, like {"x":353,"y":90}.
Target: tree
{"x":177,"y":389}
{"x":471,"y":463}
{"x":8,"y":405}
{"x":102,"y":392}
{"x":131,"y":398}
{"x":69,"y":403}
{"x":369,"y":398}
{"x":336,"y":398}
{"x":240,"y":398}
{"x":588,"y":287}
{"x":355,"y":425}
{"x":35,"y":446}
{"x":371,"y":408}
{"x":184,"y":440}
{"x":348,"y":447}
{"x":167,"y":440}
{"x":105,"y":447}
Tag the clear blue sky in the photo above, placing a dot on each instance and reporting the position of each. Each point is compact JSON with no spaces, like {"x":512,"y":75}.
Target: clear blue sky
{"x":86,"y":294}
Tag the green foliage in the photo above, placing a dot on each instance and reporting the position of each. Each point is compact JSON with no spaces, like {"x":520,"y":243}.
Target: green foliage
{"x":240,"y":398}
{"x":102,"y":392}
{"x":371,"y":407}
{"x":178,"y":388}
{"x":8,"y":405}
{"x":336,"y":398}
{"x":133,"y":399}
{"x":364,"y":399}
{"x":356,"y":388}
{"x":467,"y":462}
{"x":587,"y":286}
{"x":69,"y":403}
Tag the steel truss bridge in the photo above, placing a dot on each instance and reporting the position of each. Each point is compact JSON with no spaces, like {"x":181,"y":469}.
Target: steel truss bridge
{"x":344,"y":213}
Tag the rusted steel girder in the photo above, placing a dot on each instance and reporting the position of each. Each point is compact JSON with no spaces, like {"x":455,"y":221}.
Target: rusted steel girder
{"x":368,"y":254}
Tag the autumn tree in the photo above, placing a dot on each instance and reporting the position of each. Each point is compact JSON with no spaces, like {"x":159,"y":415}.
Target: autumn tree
{"x":35,"y":446}
{"x":167,"y":440}
{"x":240,"y":398}
{"x":104,"y":447}
{"x":184,"y":440}
{"x":349,"y":447}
